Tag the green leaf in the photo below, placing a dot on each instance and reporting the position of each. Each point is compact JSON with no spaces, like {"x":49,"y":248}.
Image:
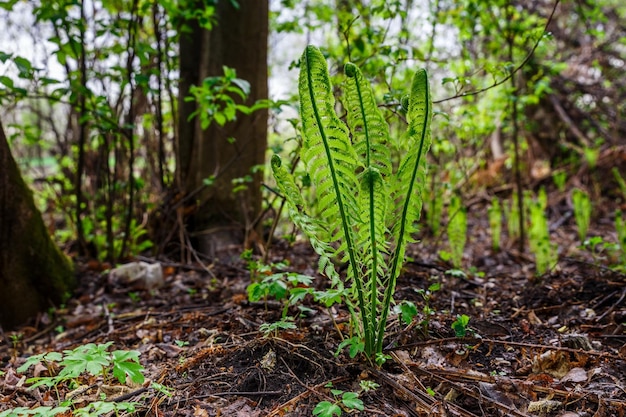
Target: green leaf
{"x":23,"y":66}
{"x":296,"y":295}
{"x":6,"y":81}
{"x":126,"y":362}
{"x":356,"y":346}
{"x":326,"y":409}
{"x":48,"y":81}
{"x":255,"y":292}
{"x":409,"y":185}
{"x":278,"y":289}
{"x":332,"y":163}
{"x":132,"y":369}
{"x":408,"y":311}
{"x":243,"y":85}
{"x":460,"y":325}
{"x":352,"y":401}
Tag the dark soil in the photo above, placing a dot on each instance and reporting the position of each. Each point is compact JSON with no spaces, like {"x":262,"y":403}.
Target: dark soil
{"x":547,"y":346}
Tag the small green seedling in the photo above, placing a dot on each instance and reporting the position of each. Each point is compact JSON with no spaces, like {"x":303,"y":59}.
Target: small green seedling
{"x":348,"y":400}
{"x":460,"y":325}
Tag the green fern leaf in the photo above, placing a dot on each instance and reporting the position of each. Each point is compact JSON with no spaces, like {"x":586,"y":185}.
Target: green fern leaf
{"x":412,"y":170}
{"x":457,"y":230}
{"x":331,"y":162}
{"x":409,"y":185}
{"x":370,"y":137}
{"x":313,"y":229}
{"x":326,"y":149}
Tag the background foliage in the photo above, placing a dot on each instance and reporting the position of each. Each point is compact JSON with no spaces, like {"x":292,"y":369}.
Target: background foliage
{"x":525,"y":92}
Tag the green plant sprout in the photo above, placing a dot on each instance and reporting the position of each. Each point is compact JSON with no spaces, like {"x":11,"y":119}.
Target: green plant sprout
{"x":582,"y":212}
{"x":560,"y":178}
{"x":495,"y":222}
{"x":273,"y":329}
{"x":349,"y":400}
{"x":281,"y":286}
{"x":434,"y":207}
{"x":365,"y":212}
{"x":599,"y":248}
{"x":512,"y":214}
{"x":16,"y":338}
{"x":620,"y":228}
{"x":91,"y":358}
{"x":428,"y":311}
{"x":620,"y":181}
{"x":457,"y":230}
{"x":407,"y":311}
{"x":539,"y":235}
{"x":460,"y":325}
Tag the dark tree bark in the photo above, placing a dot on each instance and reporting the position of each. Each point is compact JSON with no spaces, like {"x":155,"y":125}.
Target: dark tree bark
{"x":34,"y":274}
{"x":239,"y":41}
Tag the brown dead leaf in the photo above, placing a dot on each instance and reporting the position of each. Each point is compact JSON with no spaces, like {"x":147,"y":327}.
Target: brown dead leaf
{"x":575,"y":375}
{"x":199,"y":412}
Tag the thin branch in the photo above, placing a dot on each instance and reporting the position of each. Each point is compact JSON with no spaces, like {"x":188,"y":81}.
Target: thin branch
{"x":515,"y":70}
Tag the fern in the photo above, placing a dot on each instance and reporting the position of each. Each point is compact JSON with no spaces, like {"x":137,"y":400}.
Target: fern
{"x":546,"y":256}
{"x":434,"y":209}
{"x":365,"y":213}
{"x":495,"y":222}
{"x":582,"y":212}
{"x":512,"y":214}
{"x":370,"y":141}
{"x":620,"y":228}
{"x":457,"y":230}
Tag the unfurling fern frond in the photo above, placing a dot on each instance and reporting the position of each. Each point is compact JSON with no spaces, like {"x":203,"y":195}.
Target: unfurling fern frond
{"x":326,"y":148}
{"x":330,"y":160}
{"x":457,"y":230}
{"x":370,"y":137}
{"x":408,"y":187}
{"x":412,"y":170}
{"x":364,"y":213}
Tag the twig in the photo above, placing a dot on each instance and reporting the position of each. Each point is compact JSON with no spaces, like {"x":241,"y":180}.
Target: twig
{"x":618,"y":302}
{"x":129,"y":395}
{"x":515,"y":70}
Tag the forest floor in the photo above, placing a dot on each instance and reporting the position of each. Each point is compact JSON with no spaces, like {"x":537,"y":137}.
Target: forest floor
{"x":553,"y":345}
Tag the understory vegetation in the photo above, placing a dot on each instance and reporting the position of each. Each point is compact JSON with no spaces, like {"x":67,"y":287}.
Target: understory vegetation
{"x":424,"y":158}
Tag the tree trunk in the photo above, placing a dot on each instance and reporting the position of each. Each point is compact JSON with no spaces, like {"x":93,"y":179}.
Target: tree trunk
{"x":239,"y":41}
{"x":34,"y":274}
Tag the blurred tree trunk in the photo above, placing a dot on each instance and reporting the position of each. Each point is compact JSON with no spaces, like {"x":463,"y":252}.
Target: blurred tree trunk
{"x":34,"y":274}
{"x":227,"y":153}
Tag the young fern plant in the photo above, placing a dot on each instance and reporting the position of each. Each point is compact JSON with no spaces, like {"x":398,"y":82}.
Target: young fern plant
{"x":457,"y":230}
{"x":366,"y":211}
{"x":582,"y":212}
{"x":495,"y":222}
